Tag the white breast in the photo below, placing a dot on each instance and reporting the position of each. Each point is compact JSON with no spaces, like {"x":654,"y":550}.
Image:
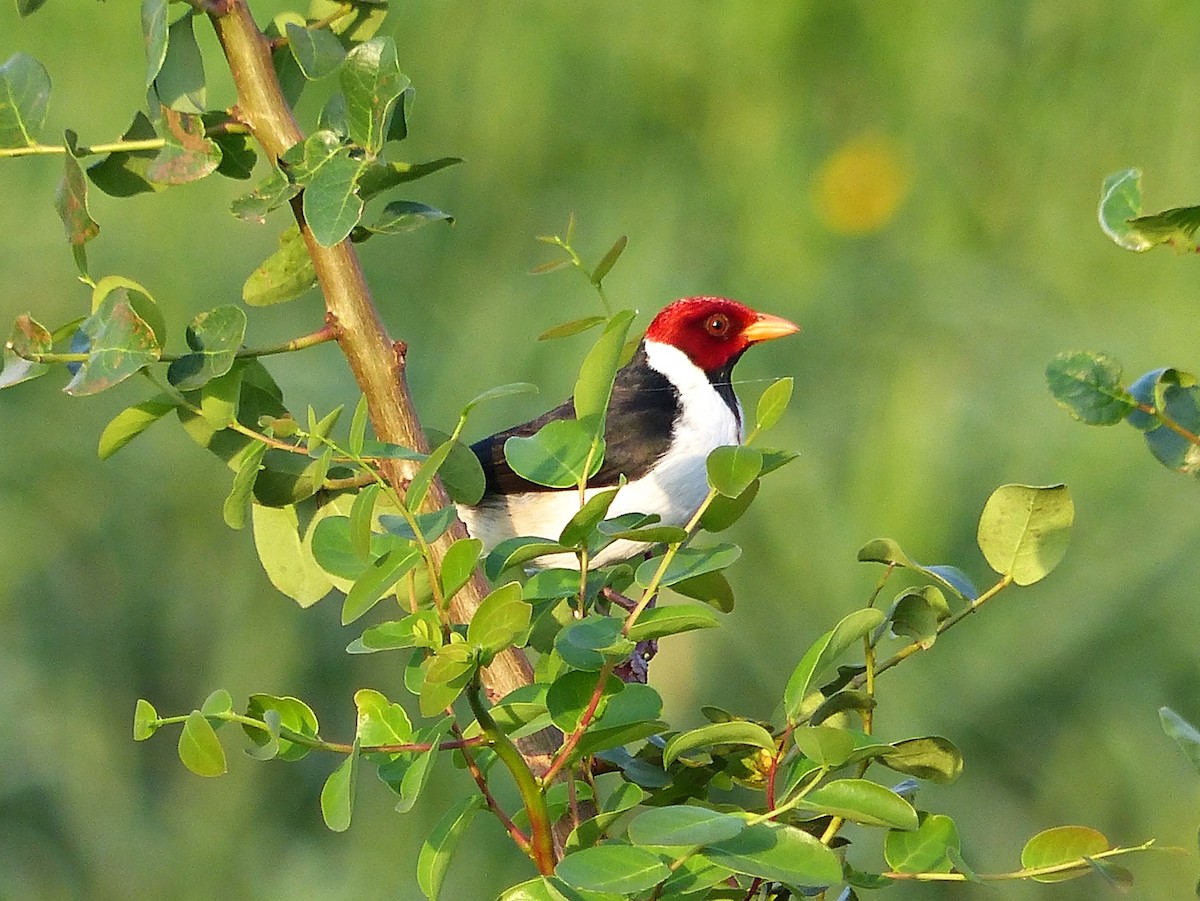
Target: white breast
{"x":673,"y":488}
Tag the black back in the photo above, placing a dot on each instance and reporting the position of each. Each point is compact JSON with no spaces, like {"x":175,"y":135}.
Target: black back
{"x":637,"y":431}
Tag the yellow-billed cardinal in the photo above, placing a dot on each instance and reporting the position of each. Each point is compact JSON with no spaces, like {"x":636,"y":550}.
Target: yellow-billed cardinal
{"x":672,"y":404}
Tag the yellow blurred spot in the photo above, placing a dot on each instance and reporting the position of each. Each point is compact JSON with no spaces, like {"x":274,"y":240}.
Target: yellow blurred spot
{"x":861,"y":185}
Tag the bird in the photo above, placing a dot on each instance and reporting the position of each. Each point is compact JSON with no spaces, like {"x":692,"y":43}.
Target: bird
{"x":671,"y":405}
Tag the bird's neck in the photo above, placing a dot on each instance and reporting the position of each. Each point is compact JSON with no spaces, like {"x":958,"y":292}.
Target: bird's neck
{"x":688,"y":378}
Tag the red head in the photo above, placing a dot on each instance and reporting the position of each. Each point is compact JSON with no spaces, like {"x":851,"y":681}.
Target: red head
{"x":714,"y":331}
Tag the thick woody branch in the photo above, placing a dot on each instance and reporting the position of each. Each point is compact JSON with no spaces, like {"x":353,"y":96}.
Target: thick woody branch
{"x":377,"y":363}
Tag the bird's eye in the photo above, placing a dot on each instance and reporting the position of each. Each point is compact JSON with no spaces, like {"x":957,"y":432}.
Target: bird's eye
{"x":717,"y":325}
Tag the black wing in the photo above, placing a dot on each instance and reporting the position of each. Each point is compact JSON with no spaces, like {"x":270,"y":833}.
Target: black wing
{"x":641,"y":418}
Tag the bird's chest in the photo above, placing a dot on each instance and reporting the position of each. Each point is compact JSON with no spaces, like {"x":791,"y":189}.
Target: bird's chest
{"x":677,"y":483}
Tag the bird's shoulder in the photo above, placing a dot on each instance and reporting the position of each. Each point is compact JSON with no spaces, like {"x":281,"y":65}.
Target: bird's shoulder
{"x":638,"y":429}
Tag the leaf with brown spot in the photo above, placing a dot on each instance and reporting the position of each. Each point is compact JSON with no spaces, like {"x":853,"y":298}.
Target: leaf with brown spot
{"x":189,"y":154}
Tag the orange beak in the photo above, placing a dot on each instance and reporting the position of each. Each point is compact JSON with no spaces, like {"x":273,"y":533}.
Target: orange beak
{"x":766,"y":327}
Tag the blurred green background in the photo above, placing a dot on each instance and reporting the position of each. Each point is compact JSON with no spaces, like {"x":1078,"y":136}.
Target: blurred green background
{"x":914,"y":183}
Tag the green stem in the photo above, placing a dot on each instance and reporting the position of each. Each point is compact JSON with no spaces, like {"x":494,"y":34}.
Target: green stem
{"x":1079,"y":863}
{"x":337,"y":747}
{"x":907,"y":651}
{"x":541,"y":846}
{"x":320,"y":336}
{"x":1170,"y":423}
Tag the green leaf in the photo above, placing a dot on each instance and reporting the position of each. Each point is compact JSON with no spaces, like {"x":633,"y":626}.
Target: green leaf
{"x":236,"y":509}
{"x":1175,"y":227}
{"x":711,"y":588}
{"x":1120,"y":201}
{"x":292,"y":714}
{"x":380,"y":176}
{"x":71,"y":201}
{"x":925,"y":849}
{"x":139,"y":299}
{"x":734,"y":732}
{"x":500,"y":391}
{"x":555,"y":456}
{"x":432,"y":525}
{"x":214,"y":338}
{"x":773,"y":403}
{"x":414,"y":770}
{"x":372,"y":82}
{"x":594,"y":385}
{"x":199,"y":748}
{"x":574,"y":327}
{"x":122,"y":173}
{"x":356,"y":27}
{"x":271,"y":193}
{"x":218,"y":702}
{"x":778,"y":853}
{"x":131,"y":422}
{"x":286,"y":274}
{"x":917,"y":612}
{"x":317,"y":51}
{"x":29,"y":7}
{"x":624,"y":797}
{"x":24,"y":99}
{"x":436,"y":850}
{"x":145,"y":720}
{"x":688,"y":563}
{"x":400,"y":217}
{"x":932,"y":758}
{"x":569,"y":696}
{"x":220,"y":397}
{"x":188,"y":155}
{"x":462,"y":475}
{"x":154,"y":35}
{"x":502,"y":617}
{"x":358,"y":425}
{"x":334,"y":550}
{"x":1062,"y":845}
{"x":418,"y":487}
{"x":1024,"y":530}
{"x":615,"y":868}
{"x":119,"y":344}
{"x":824,"y":745}
{"x":609,"y":260}
{"x":518,"y":551}
{"x":380,"y":722}
{"x":683,"y":825}
{"x":632,"y":714}
{"x":659,"y":622}
{"x":447,"y":673}
{"x":29,"y":338}
{"x":238,"y":156}
{"x":581,"y":527}
{"x":823,"y":652}
{"x":1173,"y":395}
{"x":362,"y":513}
{"x":179,"y":83}
{"x":732,"y":469}
{"x":1088,"y":386}
{"x":586,"y":644}
{"x":329,"y":172}
{"x":417,"y":630}
{"x":1182,"y":733}
{"x":862,"y":801}
{"x":379,"y":578}
{"x":287,"y":556}
{"x":885,"y":550}
{"x":337,"y":795}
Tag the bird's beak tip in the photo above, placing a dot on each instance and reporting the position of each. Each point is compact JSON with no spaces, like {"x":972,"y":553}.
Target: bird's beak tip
{"x":767,"y":327}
